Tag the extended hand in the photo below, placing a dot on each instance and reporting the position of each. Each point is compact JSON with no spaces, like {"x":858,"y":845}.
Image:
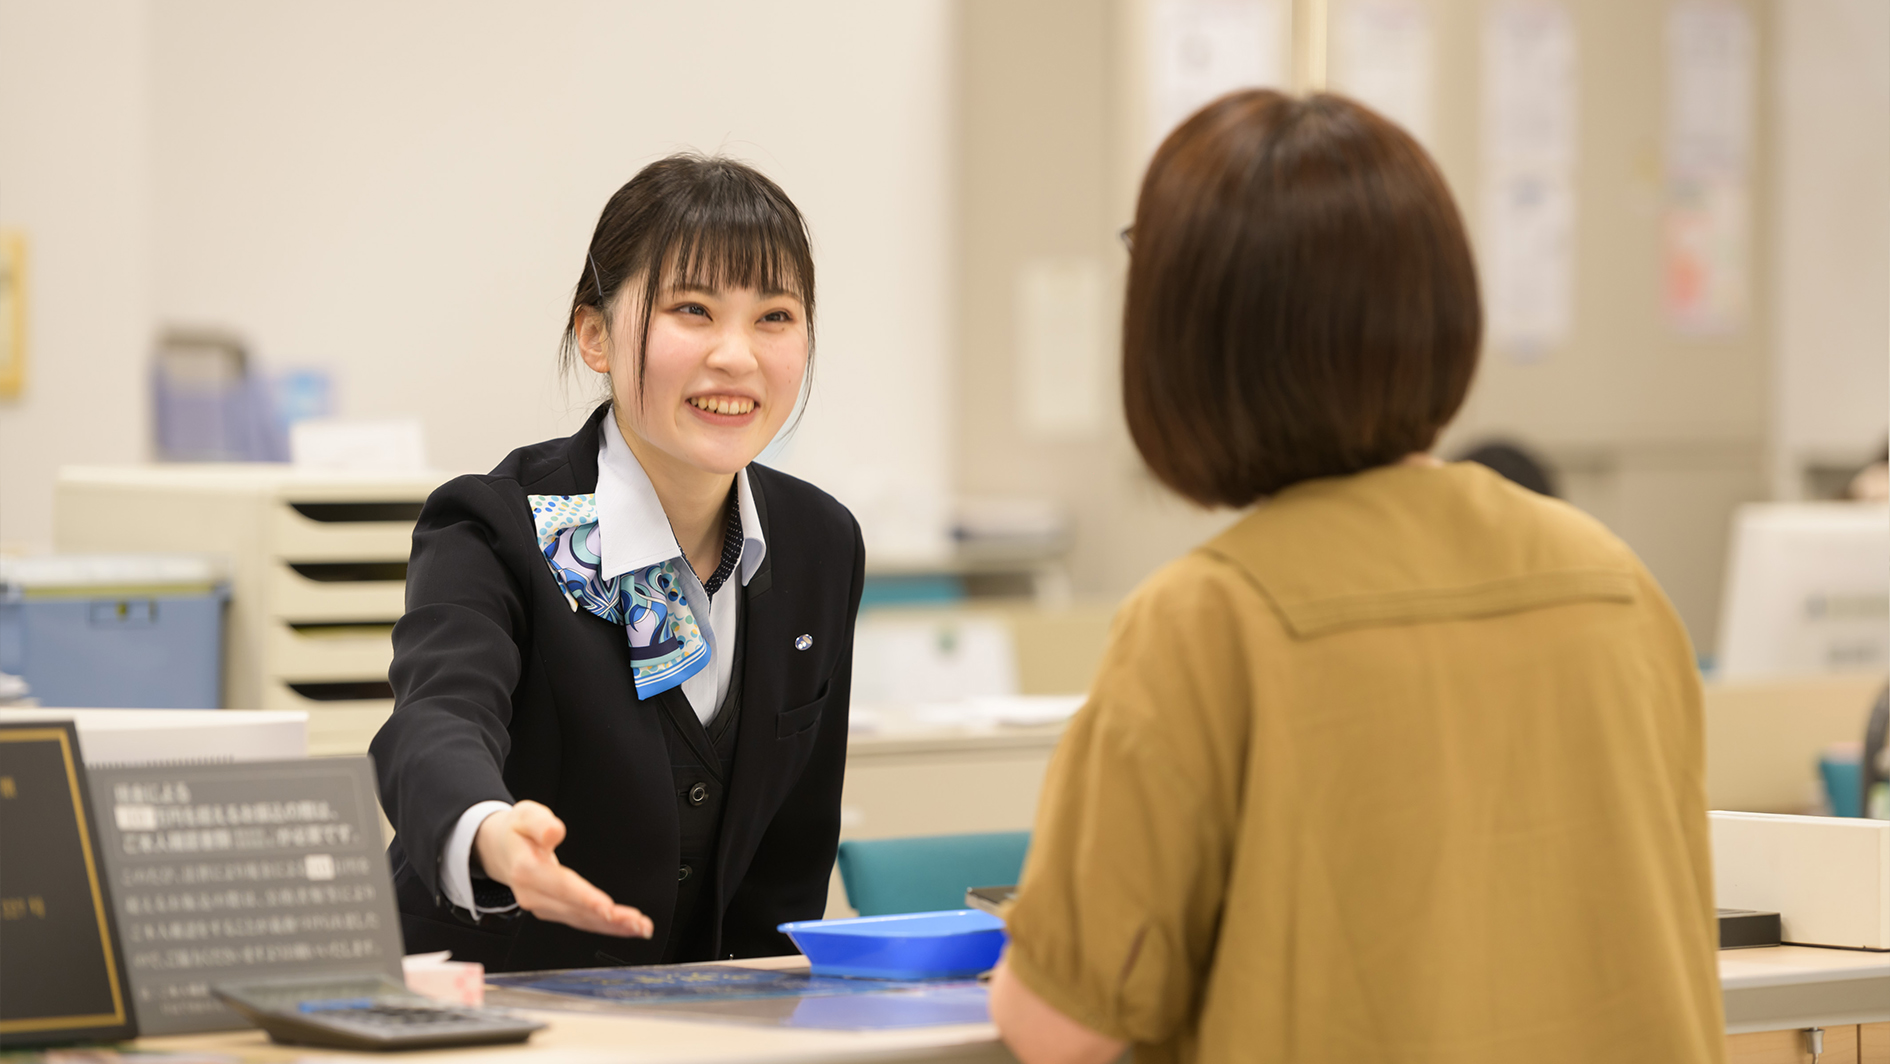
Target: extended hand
{"x":516,"y":846}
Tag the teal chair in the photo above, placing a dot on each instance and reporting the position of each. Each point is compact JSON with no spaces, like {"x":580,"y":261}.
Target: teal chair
{"x":929,"y":872}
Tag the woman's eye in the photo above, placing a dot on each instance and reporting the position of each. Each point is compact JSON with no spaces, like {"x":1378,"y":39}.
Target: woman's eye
{"x":782,"y":317}
{"x":694,"y":308}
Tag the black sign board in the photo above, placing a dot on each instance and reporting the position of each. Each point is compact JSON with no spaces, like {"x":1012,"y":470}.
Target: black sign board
{"x":238,"y":872}
{"x":62,"y":978}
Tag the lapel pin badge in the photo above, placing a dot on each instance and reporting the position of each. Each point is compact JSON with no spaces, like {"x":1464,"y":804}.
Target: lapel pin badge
{"x":802,"y":642}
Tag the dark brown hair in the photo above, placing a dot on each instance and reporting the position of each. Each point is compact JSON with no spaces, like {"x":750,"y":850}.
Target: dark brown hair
{"x":1302,"y":300}
{"x":693,"y":220}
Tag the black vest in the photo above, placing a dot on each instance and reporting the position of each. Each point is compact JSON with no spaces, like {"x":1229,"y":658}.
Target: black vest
{"x":701,"y":762}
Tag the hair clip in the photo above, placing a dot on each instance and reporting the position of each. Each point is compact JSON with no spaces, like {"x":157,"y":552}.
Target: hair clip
{"x":596,"y":278}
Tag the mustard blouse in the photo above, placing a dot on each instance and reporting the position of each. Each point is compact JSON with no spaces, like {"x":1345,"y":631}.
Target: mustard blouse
{"x":1404,"y":766}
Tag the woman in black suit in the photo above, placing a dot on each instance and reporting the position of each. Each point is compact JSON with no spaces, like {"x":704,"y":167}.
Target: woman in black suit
{"x":621,"y":682}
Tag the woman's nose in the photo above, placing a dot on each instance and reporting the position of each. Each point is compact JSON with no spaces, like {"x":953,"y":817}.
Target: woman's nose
{"x":735,"y":350}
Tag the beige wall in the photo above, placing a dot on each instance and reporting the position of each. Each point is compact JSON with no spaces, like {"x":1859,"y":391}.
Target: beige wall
{"x":74,"y":177}
{"x":402,"y":193}
{"x":1831,"y":377}
{"x":1046,"y":117}
{"x":1658,"y":433}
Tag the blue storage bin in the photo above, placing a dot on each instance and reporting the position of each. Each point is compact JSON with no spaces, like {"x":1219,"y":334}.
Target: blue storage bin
{"x":955,"y":944}
{"x":114,"y":631}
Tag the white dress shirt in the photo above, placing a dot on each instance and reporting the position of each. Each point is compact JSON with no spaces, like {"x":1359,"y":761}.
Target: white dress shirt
{"x":634,"y":532}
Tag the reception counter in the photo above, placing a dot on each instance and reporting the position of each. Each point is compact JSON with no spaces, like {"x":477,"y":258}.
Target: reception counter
{"x":1772,"y":996}
{"x":588,"y":1038}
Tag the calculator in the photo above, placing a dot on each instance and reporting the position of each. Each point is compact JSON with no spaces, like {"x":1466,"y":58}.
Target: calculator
{"x":366,"y":1012}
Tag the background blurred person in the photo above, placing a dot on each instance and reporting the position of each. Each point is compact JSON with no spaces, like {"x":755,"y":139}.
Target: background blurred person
{"x":1872,"y":483}
{"x":1515,"y":463}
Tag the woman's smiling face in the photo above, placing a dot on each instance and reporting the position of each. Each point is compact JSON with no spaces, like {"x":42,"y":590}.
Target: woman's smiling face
{"x":722,"y":369}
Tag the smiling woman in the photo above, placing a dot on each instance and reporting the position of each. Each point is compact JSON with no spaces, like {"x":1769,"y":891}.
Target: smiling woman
{"x":622,"y":679}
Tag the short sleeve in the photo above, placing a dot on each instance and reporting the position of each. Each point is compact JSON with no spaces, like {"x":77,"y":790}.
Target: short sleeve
{"x":1115,"y":921}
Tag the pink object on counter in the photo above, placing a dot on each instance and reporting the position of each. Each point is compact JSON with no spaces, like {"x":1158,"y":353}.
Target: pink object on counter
{"x":434,"y":975}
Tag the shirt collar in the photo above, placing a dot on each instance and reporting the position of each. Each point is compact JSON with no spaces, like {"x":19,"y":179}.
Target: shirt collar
{"x":633,"y":531}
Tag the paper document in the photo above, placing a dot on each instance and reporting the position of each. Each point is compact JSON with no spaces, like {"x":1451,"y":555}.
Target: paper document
{"x":1202,"y":49}
{"x":1382,"y":57}
{"x":1529,"y":154}
{"x":1706,"y":228}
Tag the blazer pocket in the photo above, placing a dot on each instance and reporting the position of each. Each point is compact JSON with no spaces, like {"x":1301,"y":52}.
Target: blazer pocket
{"x":791,"y":722}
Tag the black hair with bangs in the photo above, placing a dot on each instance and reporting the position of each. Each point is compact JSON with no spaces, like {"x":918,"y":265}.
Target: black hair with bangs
{"x":695,"y":221}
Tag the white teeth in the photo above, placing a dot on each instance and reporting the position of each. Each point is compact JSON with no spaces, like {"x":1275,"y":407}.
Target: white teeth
{"x":723,"y":406}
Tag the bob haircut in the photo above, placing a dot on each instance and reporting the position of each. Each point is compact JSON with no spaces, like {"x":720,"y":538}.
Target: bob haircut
{"x":1301,"y":302}
{"x":697,"y":221}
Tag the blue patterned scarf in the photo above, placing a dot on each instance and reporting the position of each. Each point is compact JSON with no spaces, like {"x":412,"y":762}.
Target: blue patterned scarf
{"x":666,"y":643}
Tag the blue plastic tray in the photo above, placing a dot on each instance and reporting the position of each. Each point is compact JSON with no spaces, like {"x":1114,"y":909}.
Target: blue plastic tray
{"x":955,"y":944}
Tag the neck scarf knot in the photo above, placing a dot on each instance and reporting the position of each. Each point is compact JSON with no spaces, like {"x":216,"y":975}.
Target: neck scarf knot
{"x":666,"y":643}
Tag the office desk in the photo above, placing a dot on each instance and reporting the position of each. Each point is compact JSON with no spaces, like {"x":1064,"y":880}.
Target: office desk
{"x":1772,"y":995}
{"x":1803,"y":986}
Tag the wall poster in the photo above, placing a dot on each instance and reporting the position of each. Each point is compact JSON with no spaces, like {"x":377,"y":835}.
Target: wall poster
{"x":1382,"y":57}
{"x":1706,"y":223}
{"x":1528,"y":176}
{"x":1202,"y":49}
{"x":12,"y":313}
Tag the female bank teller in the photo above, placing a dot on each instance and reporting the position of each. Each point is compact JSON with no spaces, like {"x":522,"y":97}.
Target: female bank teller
{"x":621,"y":681}
{"x":1406,"y":765}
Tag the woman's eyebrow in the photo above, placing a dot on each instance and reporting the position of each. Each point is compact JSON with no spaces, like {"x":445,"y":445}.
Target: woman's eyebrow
{"x":698,"y":289}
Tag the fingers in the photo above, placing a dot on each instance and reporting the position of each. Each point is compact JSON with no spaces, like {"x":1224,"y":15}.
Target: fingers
{"x":553,"y":892}
{"x":522,"y":858}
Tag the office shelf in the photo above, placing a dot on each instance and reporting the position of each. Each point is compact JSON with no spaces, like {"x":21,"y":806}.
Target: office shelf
{"x":318,"y":573}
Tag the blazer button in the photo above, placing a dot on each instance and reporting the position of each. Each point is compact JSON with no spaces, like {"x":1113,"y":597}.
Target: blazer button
{"x":682,"y":873}
{"x":698,"y":794}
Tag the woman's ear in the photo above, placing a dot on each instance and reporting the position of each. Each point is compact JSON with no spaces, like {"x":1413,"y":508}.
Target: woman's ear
{"x":593,"y":337}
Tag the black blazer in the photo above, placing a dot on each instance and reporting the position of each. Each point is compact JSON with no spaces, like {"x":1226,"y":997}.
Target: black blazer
{"x":503,"y":692}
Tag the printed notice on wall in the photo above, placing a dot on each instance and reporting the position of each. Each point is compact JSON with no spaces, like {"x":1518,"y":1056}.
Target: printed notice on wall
{"x":1203,"y":49}
{"x":231,"y":872}
{"x":1062,"y":356}
{"x":1382,"y":57}
{"x":1705,"y":228}
{"x":1529,"y":156}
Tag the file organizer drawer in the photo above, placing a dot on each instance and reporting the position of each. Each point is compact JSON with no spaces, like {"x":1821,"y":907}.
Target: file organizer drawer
{"x":336,"y":726}
{"x":295,"y":597}
{"x":295,"y":535}
{"x":331,"y":651}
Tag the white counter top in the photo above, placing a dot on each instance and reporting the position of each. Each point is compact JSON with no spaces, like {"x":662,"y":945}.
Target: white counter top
{"x":1776,"y":987}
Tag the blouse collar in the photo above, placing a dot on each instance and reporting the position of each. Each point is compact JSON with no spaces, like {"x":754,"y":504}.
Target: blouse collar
{"x":633,"y":530}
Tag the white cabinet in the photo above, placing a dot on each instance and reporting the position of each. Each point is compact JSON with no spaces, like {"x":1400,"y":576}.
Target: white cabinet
{"x":318,"y":564}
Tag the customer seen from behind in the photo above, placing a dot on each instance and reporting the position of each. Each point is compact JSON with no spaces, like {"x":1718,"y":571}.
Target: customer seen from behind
{"x":1406,"y":765}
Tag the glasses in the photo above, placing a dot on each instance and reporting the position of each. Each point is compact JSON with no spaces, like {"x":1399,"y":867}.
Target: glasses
{"x":1127,"y":236}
